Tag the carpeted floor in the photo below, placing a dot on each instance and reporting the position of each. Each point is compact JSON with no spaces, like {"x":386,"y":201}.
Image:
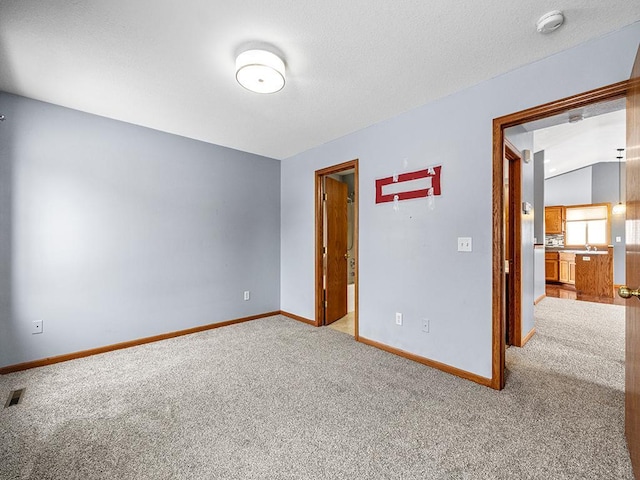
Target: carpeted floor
{"x":278,"y":399}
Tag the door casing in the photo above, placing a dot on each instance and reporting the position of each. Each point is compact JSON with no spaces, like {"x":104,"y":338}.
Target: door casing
{"x":319,"y":243}
{"x":513,"y":313}
{"x":500,"y":124}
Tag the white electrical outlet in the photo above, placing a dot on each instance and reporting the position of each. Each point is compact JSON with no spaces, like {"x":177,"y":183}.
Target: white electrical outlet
{"x":425,"y":325}
{"x":398,"y":318}
{"x":247,"y":294}
{"x":464,"y":244}
{"x":618,"y":239}
{"x":36,"y":327}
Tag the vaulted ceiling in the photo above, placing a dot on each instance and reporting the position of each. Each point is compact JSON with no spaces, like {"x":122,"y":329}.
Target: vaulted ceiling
{"x":169,"y":65}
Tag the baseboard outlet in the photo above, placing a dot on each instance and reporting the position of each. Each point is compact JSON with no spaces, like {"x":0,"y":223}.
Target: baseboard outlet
{"x":528,"y":337}
{"x":298,"y":318}
{"x":487,"y":382}
{"x":131,"y":343}
{"x":540,"y":298}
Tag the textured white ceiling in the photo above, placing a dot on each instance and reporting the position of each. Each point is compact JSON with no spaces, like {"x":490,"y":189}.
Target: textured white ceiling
{"x":169,"y":65}
{"x":569,"y":146}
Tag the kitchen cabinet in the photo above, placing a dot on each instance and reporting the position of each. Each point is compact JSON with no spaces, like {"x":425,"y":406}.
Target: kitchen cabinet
{"x":554,"y":220}
{"x":594,"y":273}
{"x":551,"y":270}
{"x":567,"y":267}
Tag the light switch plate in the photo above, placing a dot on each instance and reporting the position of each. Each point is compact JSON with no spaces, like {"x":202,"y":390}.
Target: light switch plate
{"x":464,"y":244}
{"x":618,"y":239}
{"x":36,"y":327}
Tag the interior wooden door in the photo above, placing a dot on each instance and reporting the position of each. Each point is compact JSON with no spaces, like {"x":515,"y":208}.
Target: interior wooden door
{"x":336,"y":253}
{"x":632,"y":363}
{"x":513,"y":244}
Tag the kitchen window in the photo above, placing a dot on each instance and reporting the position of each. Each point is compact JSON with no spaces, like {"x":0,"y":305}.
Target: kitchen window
{"x":587,"y":225}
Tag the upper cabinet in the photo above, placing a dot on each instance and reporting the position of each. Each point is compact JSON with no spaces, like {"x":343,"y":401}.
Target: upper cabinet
{"x":554,"y":220}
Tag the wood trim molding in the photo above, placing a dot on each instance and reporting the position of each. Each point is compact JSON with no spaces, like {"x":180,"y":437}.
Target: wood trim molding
{"x":319,"y":175}
{"x":528,"y":337}
{"x":603,"y":94}
{"x":498,"y":306}
{"x":540,"y":298}
{"x":319,"y":292}
{"x":298,"y":318}
{"x":514,"y":157}
{"x":131,"y":343}
{"x":430,"y":363}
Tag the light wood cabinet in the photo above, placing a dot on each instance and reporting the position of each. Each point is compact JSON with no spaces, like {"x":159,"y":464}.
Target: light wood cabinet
{"x":554,"y":220}
{"x":567,"y":268}
{"x":572,"y":272}
{"x":564,"y":271}
{"x":551,"y":270}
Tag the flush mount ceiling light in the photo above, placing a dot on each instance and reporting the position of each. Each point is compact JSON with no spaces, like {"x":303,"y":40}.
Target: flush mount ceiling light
{"x":550,"y":21}
{"x":260,"y":71}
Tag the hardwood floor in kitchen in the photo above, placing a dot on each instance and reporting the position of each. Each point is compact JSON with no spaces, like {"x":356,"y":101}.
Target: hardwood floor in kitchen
{"x":568,"y":291}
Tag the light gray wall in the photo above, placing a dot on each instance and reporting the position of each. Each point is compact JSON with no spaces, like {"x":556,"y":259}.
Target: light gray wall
{"x":538,"y":197}
{"x":113,"y":232}
{"x":572,"y":188}
{"x":539,"y":277}
{"x":408,"y":258}
{"x":605,"y":188}
{"x":539,"y":282}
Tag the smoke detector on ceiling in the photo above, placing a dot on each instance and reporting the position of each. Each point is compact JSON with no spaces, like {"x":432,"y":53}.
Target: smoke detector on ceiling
{"x":576,"y":117}
{"x":550,"y":21}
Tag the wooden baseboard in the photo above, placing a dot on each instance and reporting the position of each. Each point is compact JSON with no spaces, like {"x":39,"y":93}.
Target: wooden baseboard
{"x":528,"y":337}
{"x":539,"y":299}
{"x":430,"y":363}
{"x":132,"y":343}
{"x":298,"y":318}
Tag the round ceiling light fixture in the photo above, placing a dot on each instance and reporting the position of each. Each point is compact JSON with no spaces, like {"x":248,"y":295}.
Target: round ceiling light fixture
{"x":260,"y":71}
{"x":550,"y":21}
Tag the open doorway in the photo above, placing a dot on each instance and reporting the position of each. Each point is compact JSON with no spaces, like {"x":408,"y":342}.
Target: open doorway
{"x":337,"y":247}
{"x":566,"y":108}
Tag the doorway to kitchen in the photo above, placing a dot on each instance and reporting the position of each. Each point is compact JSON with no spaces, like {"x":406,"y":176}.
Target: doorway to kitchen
{"x":336,"y":292}
{"x":587,"y":104}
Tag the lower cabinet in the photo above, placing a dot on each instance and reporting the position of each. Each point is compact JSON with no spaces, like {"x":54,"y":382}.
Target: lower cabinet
{"x":567,"y":268}
{"x":560,"y":267}
{"x":595,"y":274}
{"x":551,"y":271}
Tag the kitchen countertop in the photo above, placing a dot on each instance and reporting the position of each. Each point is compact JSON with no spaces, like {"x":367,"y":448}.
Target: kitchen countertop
{"x":578,"y":252}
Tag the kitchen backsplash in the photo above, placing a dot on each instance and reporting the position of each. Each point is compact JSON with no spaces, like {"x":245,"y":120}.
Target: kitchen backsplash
{"x":554,"y":240}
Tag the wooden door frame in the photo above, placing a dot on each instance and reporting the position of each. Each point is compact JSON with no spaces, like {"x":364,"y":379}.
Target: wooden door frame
{"x":514,"y":157}
{"x":319,"y":177}
{"x":603,"y":94}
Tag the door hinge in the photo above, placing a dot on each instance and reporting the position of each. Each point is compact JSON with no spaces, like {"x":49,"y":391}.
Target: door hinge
{"x":324,"y":197}
{"x":325,"y":304}
{"x":324,"y":250}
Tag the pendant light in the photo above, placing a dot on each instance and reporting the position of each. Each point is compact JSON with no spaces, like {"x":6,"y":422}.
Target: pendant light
{"x":620,"y":208}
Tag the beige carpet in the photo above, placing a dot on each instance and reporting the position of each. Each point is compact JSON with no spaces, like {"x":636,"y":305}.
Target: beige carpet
{"x":278,"y":399}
